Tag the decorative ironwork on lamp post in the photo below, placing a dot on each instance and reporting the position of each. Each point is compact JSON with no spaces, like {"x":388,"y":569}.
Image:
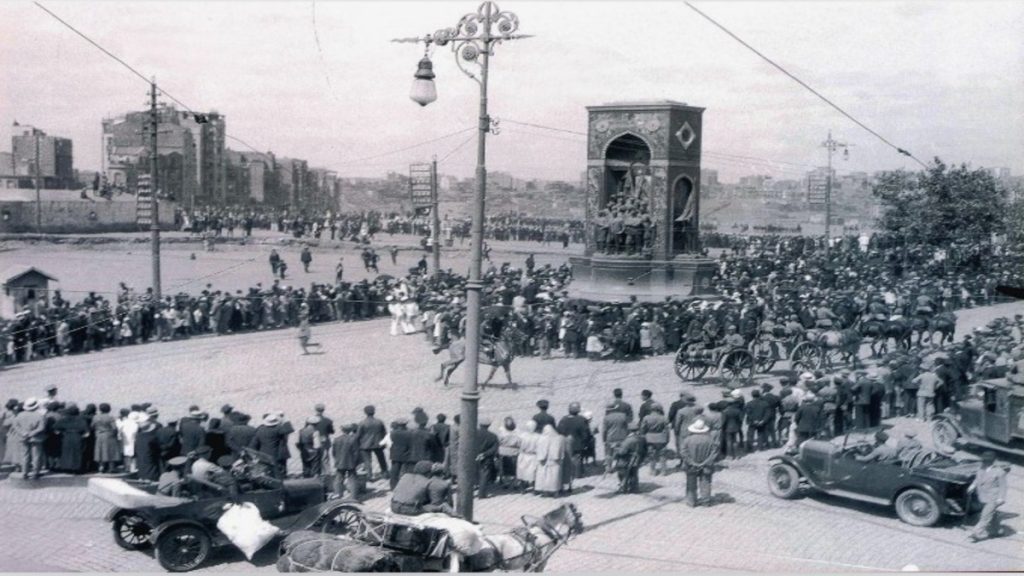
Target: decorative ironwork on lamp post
{"x":472,"y":41}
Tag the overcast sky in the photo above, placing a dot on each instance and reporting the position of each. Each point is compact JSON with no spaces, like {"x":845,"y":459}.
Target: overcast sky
{"x":937,"y":78}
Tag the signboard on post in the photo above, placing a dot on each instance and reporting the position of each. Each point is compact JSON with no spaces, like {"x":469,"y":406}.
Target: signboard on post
{"x":421,"y":187}
{"x":143,"y":202}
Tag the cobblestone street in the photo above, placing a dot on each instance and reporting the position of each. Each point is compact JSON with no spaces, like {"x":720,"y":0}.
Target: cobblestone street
{"x":56,"y":525}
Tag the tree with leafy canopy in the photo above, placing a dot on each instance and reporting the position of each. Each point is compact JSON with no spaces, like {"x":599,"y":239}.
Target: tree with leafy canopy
{"x":942,"y":205}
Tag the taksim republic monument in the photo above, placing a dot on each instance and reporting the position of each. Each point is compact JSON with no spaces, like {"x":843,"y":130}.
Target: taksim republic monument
{"x":642,"y":204}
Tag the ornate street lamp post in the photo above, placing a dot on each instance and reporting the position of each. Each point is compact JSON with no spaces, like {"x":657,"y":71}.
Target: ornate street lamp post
{"x":472,"y":40}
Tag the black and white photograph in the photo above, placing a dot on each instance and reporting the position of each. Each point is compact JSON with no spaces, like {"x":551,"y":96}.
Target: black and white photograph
{"x":568,"y":286}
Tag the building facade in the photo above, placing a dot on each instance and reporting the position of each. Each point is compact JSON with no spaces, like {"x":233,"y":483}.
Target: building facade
{"x":56,"y":164}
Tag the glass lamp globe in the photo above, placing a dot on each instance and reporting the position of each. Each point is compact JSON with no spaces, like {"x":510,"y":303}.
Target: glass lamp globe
{"x":423,"y":90}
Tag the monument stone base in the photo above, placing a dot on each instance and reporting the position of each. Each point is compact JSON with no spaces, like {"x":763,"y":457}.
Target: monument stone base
{"x":616,"y":278}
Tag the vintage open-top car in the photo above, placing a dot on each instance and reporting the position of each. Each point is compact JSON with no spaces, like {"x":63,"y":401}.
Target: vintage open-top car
{"x":922,"y":488}
{"x":183,"y":529}
{"x":992,"y":416}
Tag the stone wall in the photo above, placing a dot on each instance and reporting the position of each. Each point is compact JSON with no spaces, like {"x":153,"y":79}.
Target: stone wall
{"x":82,"y":216}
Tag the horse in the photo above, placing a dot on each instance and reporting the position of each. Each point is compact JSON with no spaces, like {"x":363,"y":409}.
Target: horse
{"x":501,"y":356}
{"x":845,"y":343}
{"x":945,"y":324}
{"x":875,"y":331}
{"x":527,"y":548}
{"x":919,"y":325}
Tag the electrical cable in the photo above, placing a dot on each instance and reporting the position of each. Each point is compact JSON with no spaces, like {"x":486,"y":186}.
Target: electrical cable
{"x":805,"y":85}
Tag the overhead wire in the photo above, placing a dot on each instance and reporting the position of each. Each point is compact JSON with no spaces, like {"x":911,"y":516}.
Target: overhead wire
{"x":805,"y":85}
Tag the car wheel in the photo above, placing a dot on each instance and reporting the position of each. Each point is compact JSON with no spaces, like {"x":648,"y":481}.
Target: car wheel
{"x":182,"y":548}
{"x":917,"y":508}
{"x":784,"y":481}
{"x":945,"y":435}
{"x":131,"y":532}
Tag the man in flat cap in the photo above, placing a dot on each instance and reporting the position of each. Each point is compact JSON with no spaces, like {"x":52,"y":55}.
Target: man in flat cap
{"x":486,"y":452}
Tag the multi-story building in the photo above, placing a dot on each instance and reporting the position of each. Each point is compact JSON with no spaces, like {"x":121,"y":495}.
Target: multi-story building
{"x":190,"y":151}
{"x":56,"y":166}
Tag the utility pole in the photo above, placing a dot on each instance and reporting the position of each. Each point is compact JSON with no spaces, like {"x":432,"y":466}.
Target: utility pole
{"x":435,"y":233}
{"x":154,"y":222}
{"x":831,"y":145}
{"x":39,"y":175}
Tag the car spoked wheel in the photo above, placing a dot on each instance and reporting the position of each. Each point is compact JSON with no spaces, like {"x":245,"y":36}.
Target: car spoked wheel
{"x":182,"y":548}
{"x":130,"y":531}
{"x":783,"y":481}
{"x":917,"y":508}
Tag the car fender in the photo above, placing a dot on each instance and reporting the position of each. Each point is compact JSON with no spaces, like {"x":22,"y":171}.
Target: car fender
{"x":113,"y":512}
{"x":925,"y":487}
{"x":165,"y":526}
{"x":787,"y":459}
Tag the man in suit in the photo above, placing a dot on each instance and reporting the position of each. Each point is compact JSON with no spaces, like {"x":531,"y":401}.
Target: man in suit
{"x":191,"y":430}
{"x":267,"y":440}
{"x":990,"y":486}
{"x":577,"y":428}
{"x":401,"y":450}
{"x":645,"y":405}
{"x":347,"y":457}
{"x":423,"y":442}
{"x":623,"y":406}
{"x":486,"y":452}
{"x":807,"y":418}
{"x":542,"y":418}
{"x":240,"y":434}
{"x":326,"y":429}
{"x":757,"y":411}
{"x":370,"y":433}
{"x":613,"y":432}
{"x":774,"y":405}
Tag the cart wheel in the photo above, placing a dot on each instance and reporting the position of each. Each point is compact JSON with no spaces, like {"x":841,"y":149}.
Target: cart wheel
{"x":737,"y":368}
{"x":182,"y":548}
{"x":689,"y":368}
{"x":832,"y":357}
{"x":945,"y":435}
{"x":131,"y":532}
{"x":341,"y":520}
{"x":805,"y":356}
{"x":764,"y":357}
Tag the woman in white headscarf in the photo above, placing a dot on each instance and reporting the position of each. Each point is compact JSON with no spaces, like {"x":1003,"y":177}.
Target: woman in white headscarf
{"x":551,"y":451}
{"x":526,"y":465}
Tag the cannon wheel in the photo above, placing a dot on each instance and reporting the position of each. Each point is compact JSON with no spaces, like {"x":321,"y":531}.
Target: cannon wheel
{"x":806,"y":356}
{"x":737,"y":368}
{"x":343,"y":519}
{"x":762,"y":351}
{"x":689,"y":368}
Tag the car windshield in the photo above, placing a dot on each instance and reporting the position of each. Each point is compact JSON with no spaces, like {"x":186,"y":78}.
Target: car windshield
{"x":854,"y":438}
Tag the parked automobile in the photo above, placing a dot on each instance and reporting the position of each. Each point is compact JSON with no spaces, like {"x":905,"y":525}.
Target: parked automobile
{"x":992,"y":416}
{"x":183,"y":529}
{"x":922,"y":489}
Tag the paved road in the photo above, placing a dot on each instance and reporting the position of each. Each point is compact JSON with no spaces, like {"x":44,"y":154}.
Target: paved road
{"x":57,"y":526}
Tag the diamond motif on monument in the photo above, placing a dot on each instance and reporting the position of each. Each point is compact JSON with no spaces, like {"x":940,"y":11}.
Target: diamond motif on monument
{"x":686,"y":135}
